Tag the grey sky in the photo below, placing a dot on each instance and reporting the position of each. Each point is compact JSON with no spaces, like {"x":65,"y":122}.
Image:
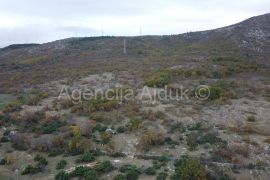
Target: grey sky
{"x":37,"y":21}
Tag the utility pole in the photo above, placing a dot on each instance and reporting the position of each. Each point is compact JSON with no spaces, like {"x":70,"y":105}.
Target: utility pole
{"x":125,"y":48}
{"x":102,"y":31}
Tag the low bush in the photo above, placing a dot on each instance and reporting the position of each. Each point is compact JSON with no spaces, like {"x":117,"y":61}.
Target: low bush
{"x":29,"y":169}
{"x":251,"y":118}
{"x":86,"y":158}
{"x":158,"y":79}
{"x":162,"y":176}
{"x":41,"y":160}
{"x":134,"y":123}
{"x":194,"y":139}
{"x":120,"y":177}
{"x":121,"y":129}
{"x":51,"y":126}
{"x":131,"y":171}
{"x":62,"y":175}
{"x":189,"y":168}
{"x":150,"y":171}
{"x":61,"y":164}
{"x":12,"y":107}
{"x":104,"y":167}
{"x":150,"y":139}
{"x":100,"y":104}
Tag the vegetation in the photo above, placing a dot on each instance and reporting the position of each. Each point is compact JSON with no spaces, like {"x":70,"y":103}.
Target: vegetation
{"x":104,"y":167}
{"x":251,"y":118}
{"x":86,"y":158}
{"x":61,"y":164}
{"x":188,"y":168}
{"x":150,"y":139}
{"x":41,"y":163}
{"x":158,"y":79}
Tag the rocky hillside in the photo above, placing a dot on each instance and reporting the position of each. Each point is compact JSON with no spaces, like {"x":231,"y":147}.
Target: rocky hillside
{"x":33,"y":64}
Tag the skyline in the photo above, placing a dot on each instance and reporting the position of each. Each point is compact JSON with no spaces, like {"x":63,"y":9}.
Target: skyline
{"x":29,"y":21}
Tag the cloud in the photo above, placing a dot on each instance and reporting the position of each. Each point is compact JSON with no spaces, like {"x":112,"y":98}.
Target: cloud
{"x":28,"y":21}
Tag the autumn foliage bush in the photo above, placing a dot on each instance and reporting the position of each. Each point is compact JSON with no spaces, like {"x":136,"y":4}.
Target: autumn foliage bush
{"x":150,"y":139}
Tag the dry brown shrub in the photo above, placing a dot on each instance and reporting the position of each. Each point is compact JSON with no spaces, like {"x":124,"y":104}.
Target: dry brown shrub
{"x":150,"y":139}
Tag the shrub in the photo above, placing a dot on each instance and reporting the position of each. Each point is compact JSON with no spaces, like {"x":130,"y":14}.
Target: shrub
{"x":193,"y":169}
{"x":150,"y":171}
{"x":121,"y":129}
{"x":51,"y":126}
{"x":12,"y":107}
{"x":132,"y":172}
{"x":120,"y":177}
{"x":134,"y":123}
{"x":41,"y":160}
{"x":158,"y":79}
{"x":100,"y":128}
{"x":30,"y":170}
{"x":100,"y":104}
{"x":188,"y":168}
{"x":162,"y":176}
{"x":20,"y":141}
{"x":222,"y":90}
{"x":104,"y":167}
{"x":150,"y":139}
{"x":86,"y":157}
{"x":177,"y":127}
{"x":91,"y":174}
{"x":77,"y":145}
{"x":194,"y":139}
{"x":105,"y":137}
{"x":195,"y":127}
{"x":4,"y":139}
{"x":61,"y":164}
{"x":251,"y":119}
{"x":79,"y":171}
{"x":62,"y":175}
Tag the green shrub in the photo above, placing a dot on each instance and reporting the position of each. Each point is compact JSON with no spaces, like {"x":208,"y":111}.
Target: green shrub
{"x":85,"y":158}
{"x":62,"y":175}
{"x":41,"y":160}
{"x":120,"y":177}
{"x":30,"y":170}
{"x":177,"y":127}
{"x":100,"y":104}
{"x":159,"y":79}
{"x":251,"y":119}
{"x":195,"y":127}
{"x":150,"y":171}
{"x":91,"y":174}
{"x":192,"y":169}
{"x":134,"y":123}
{"x":100,"y":128}
{"x":132,"y":174}
{"x":194,"y":139}
{"x":61,"y":164}
{"x":222,"y":90}
{"x":51,"y":126}
{"x":121,"y":129}
{"x":162,"y":176}
{"x":80,"y":171}
{"x":104,"y":167}
{"x":12,"y":107}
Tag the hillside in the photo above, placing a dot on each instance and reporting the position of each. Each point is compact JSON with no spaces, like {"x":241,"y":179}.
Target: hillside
{"x":248,"y":40}
{"x":187,"y":106}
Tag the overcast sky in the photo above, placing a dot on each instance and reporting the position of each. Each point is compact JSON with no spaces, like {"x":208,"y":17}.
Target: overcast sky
{"x":37,"y":21}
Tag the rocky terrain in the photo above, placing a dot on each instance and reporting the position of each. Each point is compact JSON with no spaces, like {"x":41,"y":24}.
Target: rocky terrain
{"x":56,"y":124}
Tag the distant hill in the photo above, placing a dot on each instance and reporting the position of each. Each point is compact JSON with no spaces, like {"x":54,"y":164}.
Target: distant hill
{"x":32,"y":63}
